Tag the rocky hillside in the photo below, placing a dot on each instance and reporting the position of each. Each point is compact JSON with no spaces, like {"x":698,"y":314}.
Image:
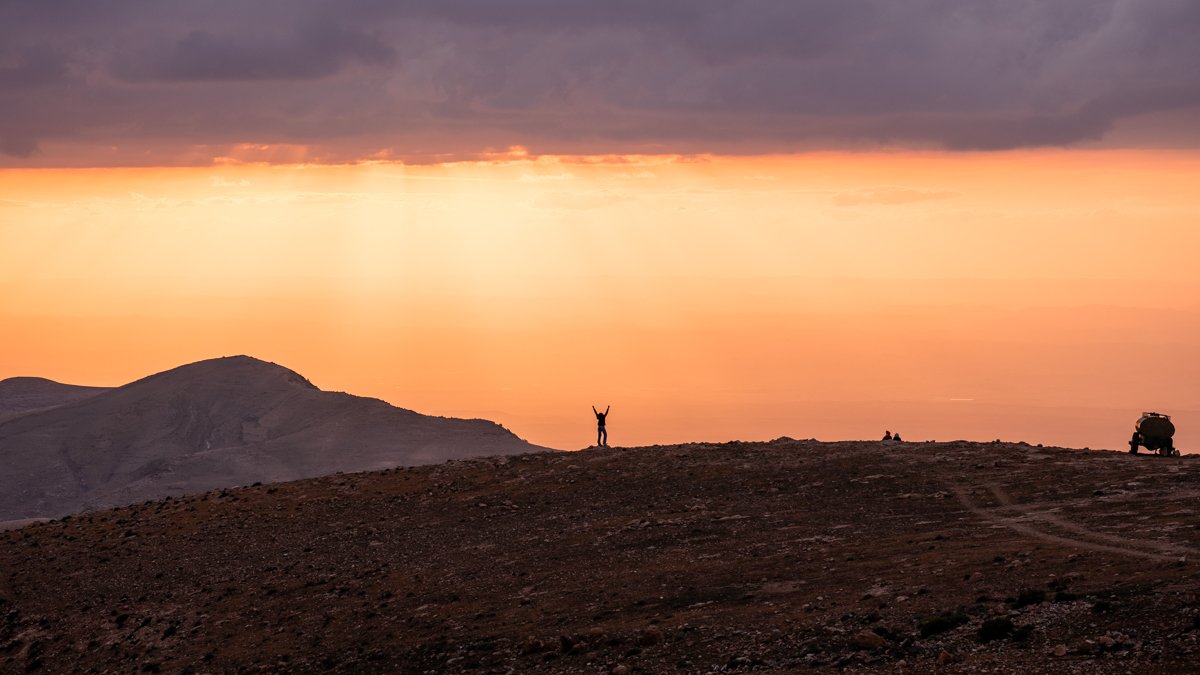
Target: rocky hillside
{"x":217,"y":423}
{"x":774,"y":557}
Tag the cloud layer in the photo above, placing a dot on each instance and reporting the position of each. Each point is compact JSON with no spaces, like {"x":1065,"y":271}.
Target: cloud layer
{"x":137,"y":82}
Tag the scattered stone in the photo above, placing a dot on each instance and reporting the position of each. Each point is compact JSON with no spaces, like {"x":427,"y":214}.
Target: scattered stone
{"x":995,"y":629}
{"x":405,"y":556}
{"x":650,"y":636}
{"x":1084,"y":647}
{"x":868,"y":640}
{"x":566,"y":643}
{"x":1029,"y":596}
{"x":942,"y":623}
{"x":532,"y":645}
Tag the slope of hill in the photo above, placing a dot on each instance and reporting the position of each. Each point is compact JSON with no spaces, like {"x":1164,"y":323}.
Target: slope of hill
{"x":776,"y":557}
{"x":217,"y":423}
{"x":20,"y":395}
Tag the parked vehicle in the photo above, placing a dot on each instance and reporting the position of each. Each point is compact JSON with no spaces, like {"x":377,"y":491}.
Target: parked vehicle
{"x":1154,"y":432}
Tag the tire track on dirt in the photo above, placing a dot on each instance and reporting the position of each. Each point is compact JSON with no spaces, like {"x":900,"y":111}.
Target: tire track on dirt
{"x":1015,"y":524}
{"x":1031,"y":511}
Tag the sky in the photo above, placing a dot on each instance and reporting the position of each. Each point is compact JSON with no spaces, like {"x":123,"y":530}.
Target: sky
{"x":728,"y":220}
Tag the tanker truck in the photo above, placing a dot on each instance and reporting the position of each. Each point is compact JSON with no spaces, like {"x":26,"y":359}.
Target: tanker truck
{"x":1153,"y":432}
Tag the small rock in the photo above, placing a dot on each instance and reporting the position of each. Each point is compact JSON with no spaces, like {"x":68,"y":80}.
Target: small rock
{"x":620,"y":669}
{"x":650,"y":636}
{"x":1029,"y":597}
{"x":1060,"y":650}
{"x":532,"y":645}
{"x":995,"y":629}
{"x":868,"y":640}
{"x":945,"y":658}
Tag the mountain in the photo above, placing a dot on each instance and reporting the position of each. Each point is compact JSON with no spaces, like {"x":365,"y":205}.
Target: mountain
{"x":782,"y":557}
{"x":19,"y":395}
{"x":217,"y":423}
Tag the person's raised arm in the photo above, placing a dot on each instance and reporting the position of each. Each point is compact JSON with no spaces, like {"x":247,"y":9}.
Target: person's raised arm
{"x":606,"y":409}
{"x":594,"y":411}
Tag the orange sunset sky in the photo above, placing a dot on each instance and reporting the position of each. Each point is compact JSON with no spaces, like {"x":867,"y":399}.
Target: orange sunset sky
{"x":727,"y":221}
{"x":1048,"y":296}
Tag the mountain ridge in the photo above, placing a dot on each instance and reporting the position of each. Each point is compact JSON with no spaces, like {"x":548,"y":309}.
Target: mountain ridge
{"x":215,"y":423}
{"x":24,"y":394}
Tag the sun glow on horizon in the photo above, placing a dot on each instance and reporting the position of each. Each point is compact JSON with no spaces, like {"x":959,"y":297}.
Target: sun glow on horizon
{"x":704,"y":297}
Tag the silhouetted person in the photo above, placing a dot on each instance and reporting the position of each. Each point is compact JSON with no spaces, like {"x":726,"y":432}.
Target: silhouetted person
{"x":887,"y":435}
{"x":601,"y":434}
{"x":896,"y":436}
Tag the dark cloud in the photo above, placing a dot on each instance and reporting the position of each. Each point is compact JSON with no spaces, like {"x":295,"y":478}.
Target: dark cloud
{"x":34,"y":66}
{"x":18,"y":146}
{"x":85,"y":82}
{"x":316,"y":51}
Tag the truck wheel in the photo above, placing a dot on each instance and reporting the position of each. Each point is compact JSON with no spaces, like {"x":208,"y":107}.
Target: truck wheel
{"x":1133,"y":448}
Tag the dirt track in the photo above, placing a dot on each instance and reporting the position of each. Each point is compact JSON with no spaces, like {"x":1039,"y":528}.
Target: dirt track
{"x":734,"y":557}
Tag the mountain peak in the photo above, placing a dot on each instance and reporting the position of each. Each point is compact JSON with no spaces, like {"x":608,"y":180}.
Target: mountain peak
{"x":25,"y":381}
{"x":213,"y":423}
{"x":240,"y":368}
{"x":22,"y":394}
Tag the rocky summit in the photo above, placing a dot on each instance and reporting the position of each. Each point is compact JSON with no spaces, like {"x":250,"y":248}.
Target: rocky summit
{"x":738,"y":557}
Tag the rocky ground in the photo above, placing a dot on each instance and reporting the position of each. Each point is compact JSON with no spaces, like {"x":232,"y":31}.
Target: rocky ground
{"x":773,"y":557}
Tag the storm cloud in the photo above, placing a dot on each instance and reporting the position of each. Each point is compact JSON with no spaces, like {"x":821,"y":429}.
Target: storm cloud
{"x":87,"y":83}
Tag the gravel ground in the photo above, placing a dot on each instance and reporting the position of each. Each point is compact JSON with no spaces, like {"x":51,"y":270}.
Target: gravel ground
{"x":767,"y":557}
